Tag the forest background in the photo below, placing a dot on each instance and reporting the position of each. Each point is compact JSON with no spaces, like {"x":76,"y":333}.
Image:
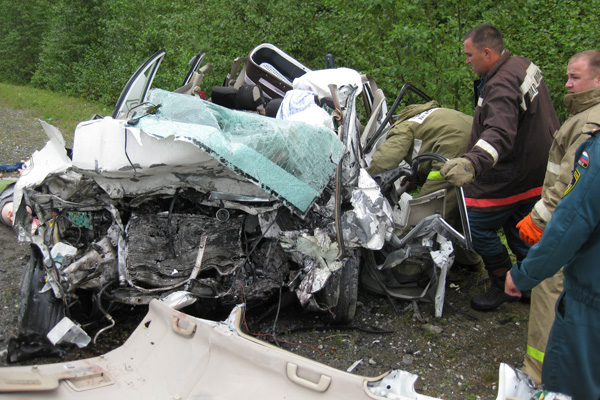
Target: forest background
{"x":89,"y":48}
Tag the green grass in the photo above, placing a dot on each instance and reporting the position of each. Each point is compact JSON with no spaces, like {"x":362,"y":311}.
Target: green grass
{"x":490,"y":375}
{"x":60,"y":110}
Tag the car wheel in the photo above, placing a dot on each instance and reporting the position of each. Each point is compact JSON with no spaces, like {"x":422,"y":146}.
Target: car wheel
{"x":343,"y":285}
{"x":38,"y":312}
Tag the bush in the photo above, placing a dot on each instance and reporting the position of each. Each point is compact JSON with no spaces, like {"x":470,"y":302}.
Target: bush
{"x":89,"y":48}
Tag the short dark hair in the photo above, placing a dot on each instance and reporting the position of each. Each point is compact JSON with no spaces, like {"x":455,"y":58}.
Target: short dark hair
{"x":484,"y":36}
{"x":593,"y":59}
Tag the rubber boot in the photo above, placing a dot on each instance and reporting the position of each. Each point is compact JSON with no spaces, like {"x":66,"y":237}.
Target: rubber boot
{"x":497,"y":267}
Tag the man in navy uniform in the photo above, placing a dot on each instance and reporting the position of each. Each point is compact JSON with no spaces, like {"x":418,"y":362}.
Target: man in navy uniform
{"x":572,"y":239}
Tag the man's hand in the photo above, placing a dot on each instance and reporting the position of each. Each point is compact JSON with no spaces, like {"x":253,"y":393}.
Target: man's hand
{"x":458,"y":171}
{"x":529,"y":231}
{"x":510,"y":288}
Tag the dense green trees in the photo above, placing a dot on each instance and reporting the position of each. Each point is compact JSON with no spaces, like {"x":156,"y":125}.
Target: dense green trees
{"x":90,"y":47}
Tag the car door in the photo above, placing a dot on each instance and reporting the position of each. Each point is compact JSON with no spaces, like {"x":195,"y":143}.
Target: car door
{"x":135,"y":91}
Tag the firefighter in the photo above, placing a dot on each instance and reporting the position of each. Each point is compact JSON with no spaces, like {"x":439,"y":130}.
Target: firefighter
{"x":572,"y":239}
{"x":503,"y":168}
{"x":583,"y":104}
{"x":429,"y":128}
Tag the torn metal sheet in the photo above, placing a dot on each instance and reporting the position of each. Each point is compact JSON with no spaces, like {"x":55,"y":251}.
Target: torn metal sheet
{"x":370,"y":222}
{"x":415,"y":266}
{"x":179,"y":300}
{"x":443,"y":259}
{"x":397,"y":385}
{"x":50,"y":160}
{"x":127,"y":162}
{"x":318,"y":255}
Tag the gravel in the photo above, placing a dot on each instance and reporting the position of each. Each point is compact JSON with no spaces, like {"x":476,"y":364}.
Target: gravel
{"x":456,"y":356}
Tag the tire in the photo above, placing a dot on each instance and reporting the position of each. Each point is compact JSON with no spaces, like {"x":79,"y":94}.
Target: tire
{"x":343,"y":285}
{"x":38,"y":312}
{"x":345,"y":309}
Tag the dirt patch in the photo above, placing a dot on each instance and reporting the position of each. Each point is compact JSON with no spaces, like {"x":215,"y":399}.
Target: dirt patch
{"x":20,"y":135}
{"x":456,"y":356}
{"x":14,"y":256}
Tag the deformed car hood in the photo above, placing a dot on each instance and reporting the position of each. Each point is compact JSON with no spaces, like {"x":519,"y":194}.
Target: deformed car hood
{"x":200,"y":143}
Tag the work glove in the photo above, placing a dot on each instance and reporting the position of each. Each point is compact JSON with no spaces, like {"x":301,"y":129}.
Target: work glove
{"x":529,"y":231}
{"x":458,"y":171}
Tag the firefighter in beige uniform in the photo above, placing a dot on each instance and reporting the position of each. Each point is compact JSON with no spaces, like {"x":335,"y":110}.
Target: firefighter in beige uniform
{"x":428,"y":128}
{"x":583,"y":104}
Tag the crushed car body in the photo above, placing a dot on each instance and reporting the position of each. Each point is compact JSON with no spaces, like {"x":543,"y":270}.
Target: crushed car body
{"x":185,"y":204}
{"x":173,"y":192}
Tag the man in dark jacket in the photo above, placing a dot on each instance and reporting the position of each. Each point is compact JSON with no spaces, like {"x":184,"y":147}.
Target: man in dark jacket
{"x":503,"y":168}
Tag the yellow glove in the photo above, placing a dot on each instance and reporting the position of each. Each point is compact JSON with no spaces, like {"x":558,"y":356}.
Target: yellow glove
{"x":458,"y":171}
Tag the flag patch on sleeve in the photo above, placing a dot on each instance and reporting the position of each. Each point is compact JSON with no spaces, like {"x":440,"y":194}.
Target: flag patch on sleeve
{"x":584,"y":159}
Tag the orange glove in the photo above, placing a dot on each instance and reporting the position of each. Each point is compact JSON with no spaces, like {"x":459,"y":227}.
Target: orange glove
{"x":529,"y":231}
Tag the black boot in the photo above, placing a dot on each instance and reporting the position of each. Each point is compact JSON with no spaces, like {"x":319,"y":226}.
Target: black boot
{"x":497,"y":267}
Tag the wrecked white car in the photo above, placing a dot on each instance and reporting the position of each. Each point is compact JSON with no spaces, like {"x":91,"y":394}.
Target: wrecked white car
{"x":205,"y":204}
{"x":174,"y":193}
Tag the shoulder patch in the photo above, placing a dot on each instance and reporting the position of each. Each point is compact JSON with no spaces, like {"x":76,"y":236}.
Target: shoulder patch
{"x":420,"y":118}
{"x":574,"y":180}
{"x":531,"y":82}
{"x":584,"y":159}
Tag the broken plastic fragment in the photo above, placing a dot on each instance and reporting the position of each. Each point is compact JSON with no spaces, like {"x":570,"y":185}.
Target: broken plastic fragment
{"x":179,"y":300}
{"x":397,"y":385}
{"x":60,"y":251}
{"x":67,"y":332}
{"x":516,"y":384}
{"x":354,"y":365}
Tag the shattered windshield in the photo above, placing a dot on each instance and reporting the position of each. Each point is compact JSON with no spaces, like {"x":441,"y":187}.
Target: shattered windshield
{"x":292,"y":161}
